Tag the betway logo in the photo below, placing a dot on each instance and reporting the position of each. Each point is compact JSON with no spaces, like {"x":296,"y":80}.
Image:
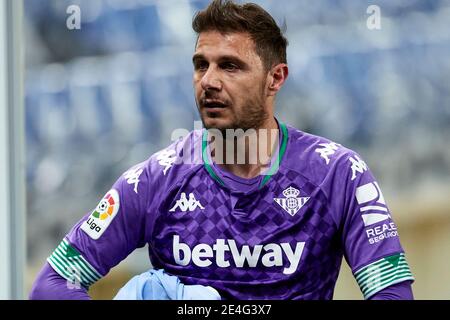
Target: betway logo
{"x":271,"y":254}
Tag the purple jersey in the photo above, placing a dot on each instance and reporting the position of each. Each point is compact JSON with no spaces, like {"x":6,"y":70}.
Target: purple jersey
{"x":281,"y":235}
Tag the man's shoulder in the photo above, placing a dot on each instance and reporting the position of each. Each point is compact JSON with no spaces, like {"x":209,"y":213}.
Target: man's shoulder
{"x":315,"y":156}
{"x":175,"y":160}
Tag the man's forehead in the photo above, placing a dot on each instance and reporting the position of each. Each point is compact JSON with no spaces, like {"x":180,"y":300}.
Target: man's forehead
{"x":239,"y":42}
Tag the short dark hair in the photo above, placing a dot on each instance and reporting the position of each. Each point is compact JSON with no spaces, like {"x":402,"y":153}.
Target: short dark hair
{"x":228,"y":17}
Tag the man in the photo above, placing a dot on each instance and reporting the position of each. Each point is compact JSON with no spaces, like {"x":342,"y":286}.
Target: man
{"x":273,"y":226}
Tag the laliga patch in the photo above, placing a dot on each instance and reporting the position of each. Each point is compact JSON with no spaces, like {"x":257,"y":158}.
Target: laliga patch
{"x":102,"y":216}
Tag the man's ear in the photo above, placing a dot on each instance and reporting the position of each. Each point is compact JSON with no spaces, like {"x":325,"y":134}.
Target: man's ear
{"x":277,"y":76}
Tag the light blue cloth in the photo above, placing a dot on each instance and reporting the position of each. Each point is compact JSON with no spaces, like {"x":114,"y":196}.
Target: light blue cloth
{"x":158,"y":285}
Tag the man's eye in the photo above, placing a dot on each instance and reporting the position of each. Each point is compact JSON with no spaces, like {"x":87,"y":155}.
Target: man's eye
{"x":200,"y":65}
{"x":230,"y":66}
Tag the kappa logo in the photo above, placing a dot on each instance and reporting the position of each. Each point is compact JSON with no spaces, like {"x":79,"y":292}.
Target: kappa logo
{"x":358,"y":165}
{"x":132,"y":177}
{"x":166,"y":158}
{"x":102,"y":216}
{"x":372,"y":214}
{"x":291,"y":204}
{"x":327,"y":149}
{"x":185,"y":204}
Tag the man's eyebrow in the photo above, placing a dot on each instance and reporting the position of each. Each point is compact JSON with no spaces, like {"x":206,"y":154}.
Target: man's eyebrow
{"x":231,"y":58}
{"x":197,"y":56}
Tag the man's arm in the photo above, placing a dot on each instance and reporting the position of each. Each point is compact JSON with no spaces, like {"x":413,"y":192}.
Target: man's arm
{"x":369,"y":235}
{"x":49,"y":285}
{"x":399,"y":291}
{"x":99,"y":241}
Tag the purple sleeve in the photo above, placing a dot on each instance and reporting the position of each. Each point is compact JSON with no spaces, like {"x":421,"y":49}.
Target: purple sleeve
{"x":49,"y":285}
{"x":399,"y":291}
{"x":104,"y":237}
{"x":369,"y":235}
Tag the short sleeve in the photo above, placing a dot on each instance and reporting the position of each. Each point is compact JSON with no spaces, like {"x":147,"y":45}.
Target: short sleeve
{"x":369,"y":238}
{"x":108,"y":234}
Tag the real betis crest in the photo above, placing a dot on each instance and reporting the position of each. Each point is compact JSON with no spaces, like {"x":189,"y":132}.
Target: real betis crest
{"x":291,"y":203}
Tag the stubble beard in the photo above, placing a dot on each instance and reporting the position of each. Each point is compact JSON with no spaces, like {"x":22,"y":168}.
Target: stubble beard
{"x":252,"y":115}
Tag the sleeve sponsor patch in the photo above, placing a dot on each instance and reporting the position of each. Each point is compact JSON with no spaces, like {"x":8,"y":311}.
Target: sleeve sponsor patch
{"x":382,"y":274}
{"x":102,"y":216}
{"x":72,"y":266}
{"x":375,"y":214}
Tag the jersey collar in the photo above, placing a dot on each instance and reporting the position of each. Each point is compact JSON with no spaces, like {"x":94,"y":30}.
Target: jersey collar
{"x":272,"y":170}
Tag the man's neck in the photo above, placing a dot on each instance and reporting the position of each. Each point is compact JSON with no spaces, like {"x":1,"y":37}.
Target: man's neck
{"x":247,"y":155}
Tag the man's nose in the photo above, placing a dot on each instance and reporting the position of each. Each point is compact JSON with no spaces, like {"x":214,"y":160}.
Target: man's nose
{"x":211,"y":80}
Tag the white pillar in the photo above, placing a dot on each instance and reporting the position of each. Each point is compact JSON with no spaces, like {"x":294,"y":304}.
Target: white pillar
{"x":12,"y":145}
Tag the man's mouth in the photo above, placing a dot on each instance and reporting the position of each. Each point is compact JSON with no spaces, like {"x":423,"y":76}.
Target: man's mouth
{"x":214,"y":105}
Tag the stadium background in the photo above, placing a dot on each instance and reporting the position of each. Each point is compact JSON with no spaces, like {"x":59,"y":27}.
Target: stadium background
{"x":107,"y":96}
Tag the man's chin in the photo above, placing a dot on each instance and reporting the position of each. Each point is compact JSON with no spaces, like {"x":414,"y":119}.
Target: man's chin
{"x":217,"y":123}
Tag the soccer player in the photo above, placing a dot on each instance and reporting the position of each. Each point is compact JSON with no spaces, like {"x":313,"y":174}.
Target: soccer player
{"x":273,"y":228}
